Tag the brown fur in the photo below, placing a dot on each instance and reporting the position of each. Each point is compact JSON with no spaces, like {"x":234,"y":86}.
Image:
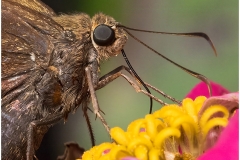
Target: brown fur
{"x":43,"y":61}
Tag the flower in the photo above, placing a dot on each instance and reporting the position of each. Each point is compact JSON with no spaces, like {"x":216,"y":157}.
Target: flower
{"x":223,"y":146}
{"x":174,"y":132}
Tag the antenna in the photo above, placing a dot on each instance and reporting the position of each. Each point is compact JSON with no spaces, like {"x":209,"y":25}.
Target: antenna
{"x":193,"y":34}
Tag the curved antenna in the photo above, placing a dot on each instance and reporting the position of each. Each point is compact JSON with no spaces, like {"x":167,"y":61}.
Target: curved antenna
{"x":194,"y":74}
{"x":190,"y":34}
{"x":140,"y":80}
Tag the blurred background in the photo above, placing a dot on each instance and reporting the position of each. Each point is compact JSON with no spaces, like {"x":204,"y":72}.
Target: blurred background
{"x":119,"y":101}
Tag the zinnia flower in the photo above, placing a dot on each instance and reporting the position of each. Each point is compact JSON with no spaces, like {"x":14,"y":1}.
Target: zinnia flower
{"x":175,"y":132}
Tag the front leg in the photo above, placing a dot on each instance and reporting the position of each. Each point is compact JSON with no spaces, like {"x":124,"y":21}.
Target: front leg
{"x":117,"y":72}
{"x":91,"y":72}
{"x":93,"y":65}
{"x":94,"y":98}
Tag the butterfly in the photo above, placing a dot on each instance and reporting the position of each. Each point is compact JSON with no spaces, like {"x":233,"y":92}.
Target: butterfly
{"x":45,"y":62}
{"x":50,"y":67}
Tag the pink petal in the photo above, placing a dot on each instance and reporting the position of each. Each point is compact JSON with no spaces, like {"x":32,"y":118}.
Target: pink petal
{"x":201,"y":89}
{"x":226,"y":147}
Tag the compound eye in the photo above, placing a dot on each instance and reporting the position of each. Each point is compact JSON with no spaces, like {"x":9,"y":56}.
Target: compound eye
{"x":103,"y":35}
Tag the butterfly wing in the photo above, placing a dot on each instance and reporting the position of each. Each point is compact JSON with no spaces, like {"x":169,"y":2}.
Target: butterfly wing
{"x":27,"y":34}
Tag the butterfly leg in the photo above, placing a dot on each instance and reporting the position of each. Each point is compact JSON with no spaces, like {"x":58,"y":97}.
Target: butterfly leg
{"x":94,"y":98}
{"x":117,"y":72}
{"x":33,"y":131}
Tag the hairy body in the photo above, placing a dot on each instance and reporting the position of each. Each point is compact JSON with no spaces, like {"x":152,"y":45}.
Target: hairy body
{"x":44,"y":57}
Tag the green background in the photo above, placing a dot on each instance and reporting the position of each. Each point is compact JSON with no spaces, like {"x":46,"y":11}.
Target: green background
{"x":119,"y":101}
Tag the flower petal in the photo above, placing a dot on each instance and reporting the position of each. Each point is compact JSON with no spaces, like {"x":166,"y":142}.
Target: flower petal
{"x":202,"y":89}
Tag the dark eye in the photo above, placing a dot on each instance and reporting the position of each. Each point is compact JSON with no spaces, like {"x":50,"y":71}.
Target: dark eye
{"x":103,"y":35}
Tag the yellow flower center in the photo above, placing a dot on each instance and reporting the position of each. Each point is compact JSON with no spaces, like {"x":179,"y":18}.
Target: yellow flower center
{"x":173,"y":132}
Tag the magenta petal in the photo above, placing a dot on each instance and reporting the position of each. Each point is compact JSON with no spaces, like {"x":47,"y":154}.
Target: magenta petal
{"x":201,"y":89}
{"x":226,"y":147}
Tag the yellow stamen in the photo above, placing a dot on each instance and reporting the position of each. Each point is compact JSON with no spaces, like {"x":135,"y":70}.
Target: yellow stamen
{"x":151,"y":127}
{"x":119,"y":135}
{"x":139,"y":140}
{"x":198,"y":102}
{"x":154,"y":154}
{"x":141,"y":152}
{"x":119,"y":151}
{"x":189,"y":126}
{"x":168,"y":111}
{"x":213,"y":123}
{"x":164,"y":134}
{"x":135,"y":126}
{"x":208,"y":113}
{"x":189,"y":107}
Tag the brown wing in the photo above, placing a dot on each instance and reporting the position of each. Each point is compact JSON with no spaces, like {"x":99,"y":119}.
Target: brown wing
{"x":35,"y":5}
{"x":28,"y":33}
